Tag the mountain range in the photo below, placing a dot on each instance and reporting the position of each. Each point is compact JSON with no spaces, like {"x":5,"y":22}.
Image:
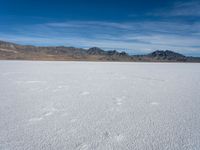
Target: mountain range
{"x":12,"y":51}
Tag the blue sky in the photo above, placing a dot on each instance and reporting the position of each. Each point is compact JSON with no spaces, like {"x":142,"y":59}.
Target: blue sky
{"x":137,"y":26}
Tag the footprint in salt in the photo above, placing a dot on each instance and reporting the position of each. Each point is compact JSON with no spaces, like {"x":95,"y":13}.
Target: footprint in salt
{"x":119,"y":138}
{"x":48,"y":114}
{"x":49,"y":111}
{"x":63,"y":87}
{"x":85,"y":93}
{"x":73,"y":120}
{"x":154,"y":103}
{"x":84,"y":147}
{"x":119,"y":100}
{"x":106,"y":135}
{"x":35,"y":119}
{"x":119,"y":103}
{"x":33,"y":81}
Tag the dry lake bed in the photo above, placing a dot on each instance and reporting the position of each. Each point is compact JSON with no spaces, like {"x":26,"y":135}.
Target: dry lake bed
{"x":99,"y":106}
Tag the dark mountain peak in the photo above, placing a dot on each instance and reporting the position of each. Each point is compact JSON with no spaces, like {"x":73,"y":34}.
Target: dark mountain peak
{"x":95,"y":51}
{"x":165,"y":53}
{"x":123,"y":54}
{"x":114,"y":52}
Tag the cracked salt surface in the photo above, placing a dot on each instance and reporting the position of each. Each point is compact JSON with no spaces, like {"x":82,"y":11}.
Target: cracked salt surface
{"x":99,"y":106}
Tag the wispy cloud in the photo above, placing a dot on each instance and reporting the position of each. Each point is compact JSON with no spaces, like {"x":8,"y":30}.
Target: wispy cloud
{"x":180,"y":9}
{"x":140,"y":36}
{"x":186,"y":9}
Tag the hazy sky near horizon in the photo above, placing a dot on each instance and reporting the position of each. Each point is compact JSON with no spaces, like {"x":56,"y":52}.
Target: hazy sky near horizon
{"x":136,"y":26}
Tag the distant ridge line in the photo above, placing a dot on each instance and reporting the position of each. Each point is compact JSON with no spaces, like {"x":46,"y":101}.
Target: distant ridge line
{"x":12,"y":51}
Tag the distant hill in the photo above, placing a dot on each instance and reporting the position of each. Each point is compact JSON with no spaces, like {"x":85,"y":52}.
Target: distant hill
{"x":12,"y":51}
{"x":166,"y":55}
